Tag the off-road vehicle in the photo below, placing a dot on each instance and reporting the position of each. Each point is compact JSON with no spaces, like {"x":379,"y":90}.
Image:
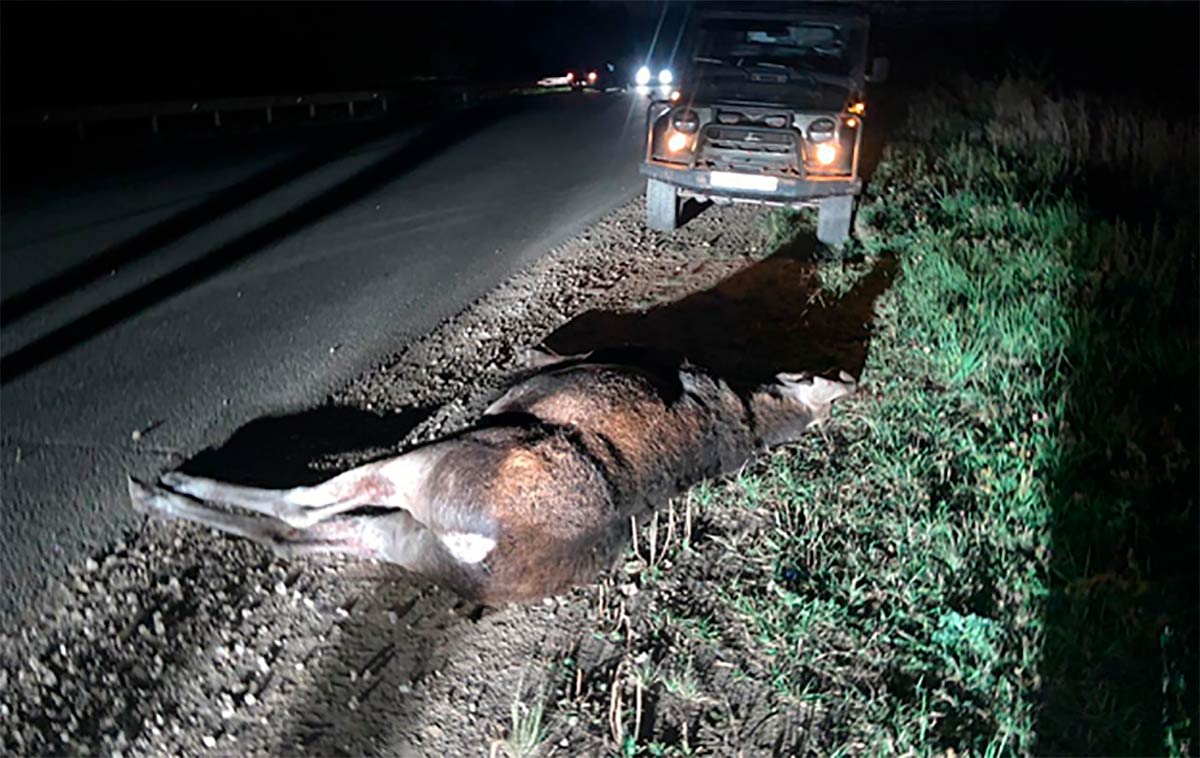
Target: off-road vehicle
{"x":769,"y":109}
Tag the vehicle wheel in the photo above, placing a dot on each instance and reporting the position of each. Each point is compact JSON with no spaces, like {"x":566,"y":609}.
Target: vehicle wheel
{"x":833,"y":219}
{"x":662,"y":206}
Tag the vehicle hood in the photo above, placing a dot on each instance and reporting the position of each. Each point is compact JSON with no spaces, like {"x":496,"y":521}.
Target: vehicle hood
{"x":822,"y":96}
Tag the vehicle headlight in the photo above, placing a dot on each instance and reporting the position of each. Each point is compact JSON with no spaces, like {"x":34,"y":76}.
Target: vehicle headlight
{"x":821,"y":130}
{"x":677,"y":142}
{"x":686,"y":121}
{"x":665,"y":76}
{"x":643,"y":76}
{"x":826,"y":153}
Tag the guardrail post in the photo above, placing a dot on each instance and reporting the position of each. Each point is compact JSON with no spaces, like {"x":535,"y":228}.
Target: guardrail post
{"x":154,"y":123}
{"x":217,"y":118}
{"x":79,"y":129}
{"x":385,"y":105}
{"x":269,"y":115}
{"x":312,"y":110}
{"x":350,"y":106}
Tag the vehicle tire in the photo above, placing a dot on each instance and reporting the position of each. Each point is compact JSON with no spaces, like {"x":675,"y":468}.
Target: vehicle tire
{"x":833,"y":219}
{"x":662,"y":206}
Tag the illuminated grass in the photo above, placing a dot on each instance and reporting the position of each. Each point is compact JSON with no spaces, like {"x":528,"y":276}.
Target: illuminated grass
{"x":994,"y":551}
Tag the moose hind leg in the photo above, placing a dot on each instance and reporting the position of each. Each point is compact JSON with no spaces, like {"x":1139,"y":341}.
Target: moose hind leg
{"x":339,"y":536}
{"x":298,"y":506}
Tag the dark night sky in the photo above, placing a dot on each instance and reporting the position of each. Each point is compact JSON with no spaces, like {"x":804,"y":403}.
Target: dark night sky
{"x":95,"y":52}
{"x":104,"y":51}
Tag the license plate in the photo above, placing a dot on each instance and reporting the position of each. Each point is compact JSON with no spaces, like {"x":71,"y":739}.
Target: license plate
{"x":730,"y":180}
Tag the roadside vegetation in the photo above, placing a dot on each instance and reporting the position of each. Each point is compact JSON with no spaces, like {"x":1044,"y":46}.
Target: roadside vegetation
{"x":992,"y":550}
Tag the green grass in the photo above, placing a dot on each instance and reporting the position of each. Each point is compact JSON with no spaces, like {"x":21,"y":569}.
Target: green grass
{"x":526,"y":731}
{"x":994,"y":551}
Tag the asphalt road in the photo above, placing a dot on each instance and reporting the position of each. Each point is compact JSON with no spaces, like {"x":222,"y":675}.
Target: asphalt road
{"x":183,"y":294}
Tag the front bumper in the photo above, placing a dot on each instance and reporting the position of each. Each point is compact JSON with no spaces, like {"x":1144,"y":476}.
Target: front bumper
{"x":790,"y":190}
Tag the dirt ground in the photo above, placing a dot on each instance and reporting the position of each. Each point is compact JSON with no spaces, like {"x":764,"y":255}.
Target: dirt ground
{"x":178,"y":641}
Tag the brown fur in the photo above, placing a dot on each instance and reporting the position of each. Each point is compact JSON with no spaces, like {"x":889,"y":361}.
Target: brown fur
{"x":552,"y":474}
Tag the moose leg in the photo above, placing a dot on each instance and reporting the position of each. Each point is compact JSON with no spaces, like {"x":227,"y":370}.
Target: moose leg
{"x":341,"y":536}
{"x":387,"y":483}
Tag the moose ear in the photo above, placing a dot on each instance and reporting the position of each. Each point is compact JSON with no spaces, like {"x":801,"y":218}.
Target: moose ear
{"x":816,"y":392}
{"x":793,"y":379}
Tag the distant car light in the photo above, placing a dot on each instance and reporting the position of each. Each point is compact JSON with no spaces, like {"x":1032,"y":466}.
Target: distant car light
{"x":826,"y":154}
{"x":570,"y":76}
{"x":677,"y":142}
{"x":643,"y":76}
{"x":592,"y":77}
{"x":665,"y":76}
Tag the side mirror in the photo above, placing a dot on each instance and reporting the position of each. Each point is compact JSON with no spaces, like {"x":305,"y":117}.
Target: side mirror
{"x":879,"y":71}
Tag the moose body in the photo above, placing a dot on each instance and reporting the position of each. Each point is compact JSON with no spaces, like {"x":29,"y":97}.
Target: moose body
{"x":537,"y":496}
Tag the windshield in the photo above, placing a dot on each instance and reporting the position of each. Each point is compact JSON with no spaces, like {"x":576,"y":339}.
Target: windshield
{"x":814,"y":46}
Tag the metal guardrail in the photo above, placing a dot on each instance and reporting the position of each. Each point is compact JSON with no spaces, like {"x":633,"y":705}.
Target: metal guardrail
{"x":355,"y":102}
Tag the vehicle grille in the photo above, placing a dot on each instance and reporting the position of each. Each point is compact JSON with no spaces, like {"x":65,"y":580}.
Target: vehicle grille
{"x":746,"y":148}
{"x":749,"y":117}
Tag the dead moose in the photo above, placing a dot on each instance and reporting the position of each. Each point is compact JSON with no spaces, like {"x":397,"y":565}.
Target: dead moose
{"x":536,"y":496}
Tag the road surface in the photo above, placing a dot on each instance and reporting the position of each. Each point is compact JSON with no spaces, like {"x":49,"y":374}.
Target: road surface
{"x":153,"y":307}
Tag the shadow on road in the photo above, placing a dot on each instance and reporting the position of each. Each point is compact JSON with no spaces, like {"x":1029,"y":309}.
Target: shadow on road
{"x":439,"y":136}
{"x":767,"y":318}
{"x":279,"y":451}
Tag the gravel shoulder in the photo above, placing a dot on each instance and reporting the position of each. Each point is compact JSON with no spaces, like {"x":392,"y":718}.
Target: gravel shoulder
{"x":178,"y":641}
